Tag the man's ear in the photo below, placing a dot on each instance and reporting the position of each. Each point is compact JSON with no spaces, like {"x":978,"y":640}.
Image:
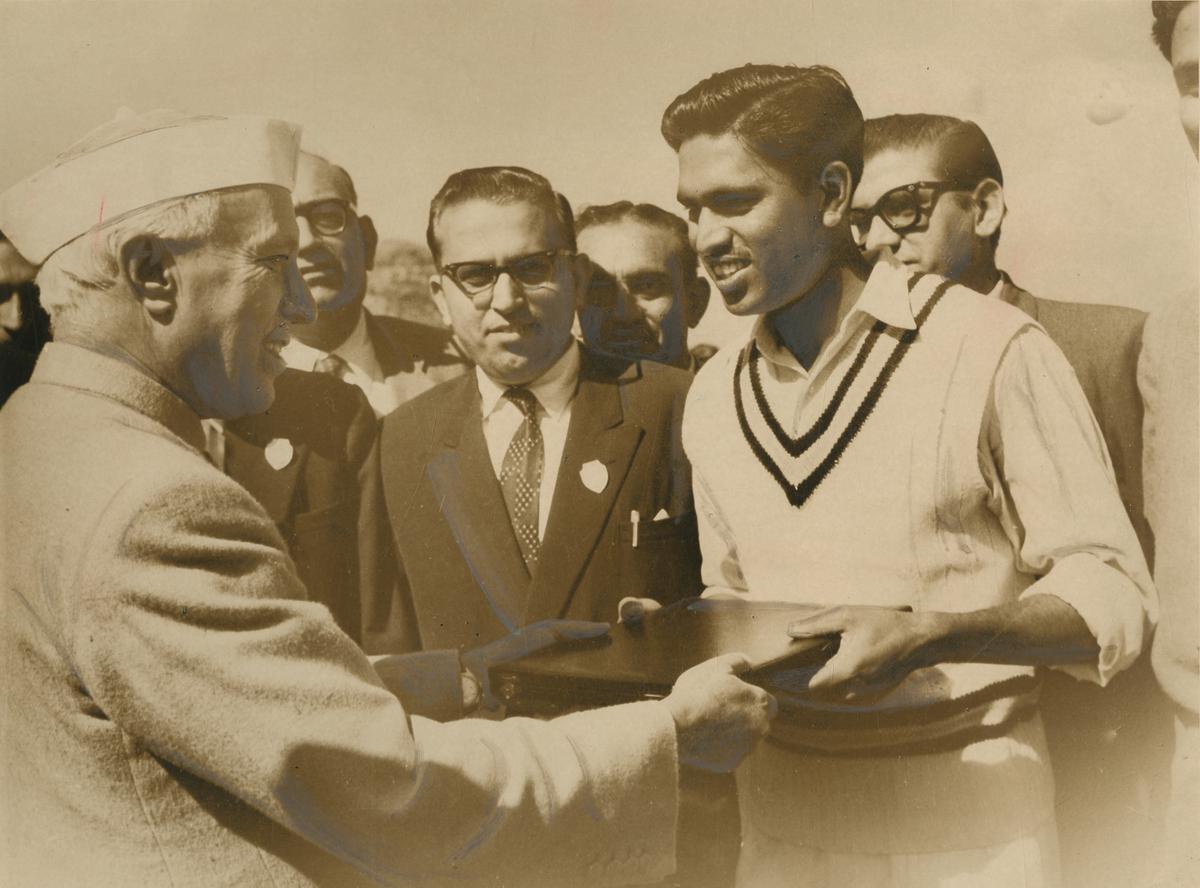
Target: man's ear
{"x":697,"y":300}
{"x":837,"y":189}
{"x":438,"y":295}
{"x":370,"y":240}
{"x":988,"y":200}
{"x":151,"y":273}
{"x":581,"y":274}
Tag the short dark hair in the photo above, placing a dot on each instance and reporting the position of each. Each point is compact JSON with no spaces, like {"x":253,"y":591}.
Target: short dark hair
{"x":797,"y":119}
{"x":648,"y":214}
{"x":1166,"y":12}
{"x":964,"y":154}
{"x":502,"y":185}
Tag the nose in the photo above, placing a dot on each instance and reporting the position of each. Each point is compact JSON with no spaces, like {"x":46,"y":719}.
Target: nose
{"x":711,"y":236}
{"x":308,"y":237}
{"x":880,"y":235}
{"x":298,"y":306}
{"x":507,"y":294}
{"x":10,"y":313}
{"x":625,"y":305}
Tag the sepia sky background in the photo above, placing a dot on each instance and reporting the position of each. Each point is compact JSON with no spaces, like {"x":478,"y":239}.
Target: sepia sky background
{"x":404,"y":93}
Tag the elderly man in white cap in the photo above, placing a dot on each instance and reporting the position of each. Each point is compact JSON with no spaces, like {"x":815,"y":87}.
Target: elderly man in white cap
{"x":172,"y":714}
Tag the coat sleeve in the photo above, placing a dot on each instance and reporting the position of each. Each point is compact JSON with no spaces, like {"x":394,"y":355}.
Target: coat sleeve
{"x":186,"y":639}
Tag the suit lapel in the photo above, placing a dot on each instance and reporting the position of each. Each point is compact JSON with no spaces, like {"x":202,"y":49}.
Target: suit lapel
{"x":598,"y":431}
{"x":388,"y":352}
{"x":472,"y":504}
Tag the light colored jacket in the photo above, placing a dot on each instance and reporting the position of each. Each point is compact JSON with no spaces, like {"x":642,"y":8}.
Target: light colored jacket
{"x":169,"y":715}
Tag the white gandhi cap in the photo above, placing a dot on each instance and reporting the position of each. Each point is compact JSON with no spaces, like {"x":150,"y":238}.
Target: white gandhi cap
{"x":138,"y":160}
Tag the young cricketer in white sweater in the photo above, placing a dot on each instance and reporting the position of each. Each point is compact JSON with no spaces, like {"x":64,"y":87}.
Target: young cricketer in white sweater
{"x":888,"y":440}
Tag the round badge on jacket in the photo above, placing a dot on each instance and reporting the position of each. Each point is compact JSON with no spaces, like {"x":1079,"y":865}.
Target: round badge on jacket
{"x":279,"y":453}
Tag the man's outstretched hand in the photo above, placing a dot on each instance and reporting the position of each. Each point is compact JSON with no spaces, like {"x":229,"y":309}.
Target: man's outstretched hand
{"x":718,"y":717}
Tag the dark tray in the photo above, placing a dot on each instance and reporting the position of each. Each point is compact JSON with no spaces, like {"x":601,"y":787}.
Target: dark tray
{"x":641,"y":661}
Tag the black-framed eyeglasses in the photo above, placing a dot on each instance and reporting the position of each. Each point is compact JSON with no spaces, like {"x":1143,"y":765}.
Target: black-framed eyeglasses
{"x":476,"y":279}
{"x":328,"y":217}
{"x":903,"y":209}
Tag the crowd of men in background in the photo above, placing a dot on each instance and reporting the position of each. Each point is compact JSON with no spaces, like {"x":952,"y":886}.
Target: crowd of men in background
{"x":981,"y":511}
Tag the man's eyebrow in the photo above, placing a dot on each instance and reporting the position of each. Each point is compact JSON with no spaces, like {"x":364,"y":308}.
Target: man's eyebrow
{"x":1187,"y":73}
{"x":656,"y":273}
{"x":719,"y":192}
{"x":279,"y":242}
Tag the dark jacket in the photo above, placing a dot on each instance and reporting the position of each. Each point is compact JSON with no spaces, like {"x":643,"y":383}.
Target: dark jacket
{"x":450,"y":570}
{"x":325,"y":429}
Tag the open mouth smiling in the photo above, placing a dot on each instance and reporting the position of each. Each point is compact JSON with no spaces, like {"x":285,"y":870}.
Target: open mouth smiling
{"x":726,"y":267}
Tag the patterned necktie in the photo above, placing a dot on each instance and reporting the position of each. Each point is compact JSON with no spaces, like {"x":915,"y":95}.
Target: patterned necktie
{"x":521,"y":476}
{"x":333,"y":365}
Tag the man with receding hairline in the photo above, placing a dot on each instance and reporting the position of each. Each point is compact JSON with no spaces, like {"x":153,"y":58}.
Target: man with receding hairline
{"x":550,"y":482}
{"x":390,"y":359}
{"x":645,"y":291}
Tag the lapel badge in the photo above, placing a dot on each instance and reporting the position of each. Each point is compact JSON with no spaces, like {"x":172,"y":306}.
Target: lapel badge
{"x":279,"y":453}
{"x":594,"y":475}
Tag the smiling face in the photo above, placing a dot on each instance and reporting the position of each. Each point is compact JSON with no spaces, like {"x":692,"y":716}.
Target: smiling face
{"x":520,"y":330}
{"x":942,"y":244}
{"x":759,"y":235}
{"x":636,"y":302}
{"x":237,"y":293}
{"x":334,"y":266}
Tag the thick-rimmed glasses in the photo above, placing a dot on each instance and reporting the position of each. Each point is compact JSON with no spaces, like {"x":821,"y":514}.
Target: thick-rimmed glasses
{"x":903,"y":209}
{"x":328,"y":217}
{"x":476,"y":279}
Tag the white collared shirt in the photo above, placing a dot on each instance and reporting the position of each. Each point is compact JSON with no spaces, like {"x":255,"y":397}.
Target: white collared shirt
{"x":788,"y":386}
{"x":214,"y":441}
{"x":359,"y":355}
{"x":555,"y":392}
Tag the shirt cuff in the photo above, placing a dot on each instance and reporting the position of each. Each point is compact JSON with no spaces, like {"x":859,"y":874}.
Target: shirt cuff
{"x":427,"y":683}
{"x":1109,"y":603}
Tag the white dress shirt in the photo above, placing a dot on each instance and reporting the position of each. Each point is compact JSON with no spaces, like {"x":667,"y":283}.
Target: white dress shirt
{"x":364,"y":368}
{"x":555,"y":392}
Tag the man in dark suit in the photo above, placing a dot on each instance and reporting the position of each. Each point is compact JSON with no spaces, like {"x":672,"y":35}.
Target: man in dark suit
{"x":390,"y":359}
{"x":302,"y":460}
{"x":549,"y":483}
{"x":932,"y":192}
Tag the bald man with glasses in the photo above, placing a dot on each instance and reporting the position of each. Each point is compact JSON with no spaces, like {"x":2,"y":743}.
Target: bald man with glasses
{"x":390,"y":359}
